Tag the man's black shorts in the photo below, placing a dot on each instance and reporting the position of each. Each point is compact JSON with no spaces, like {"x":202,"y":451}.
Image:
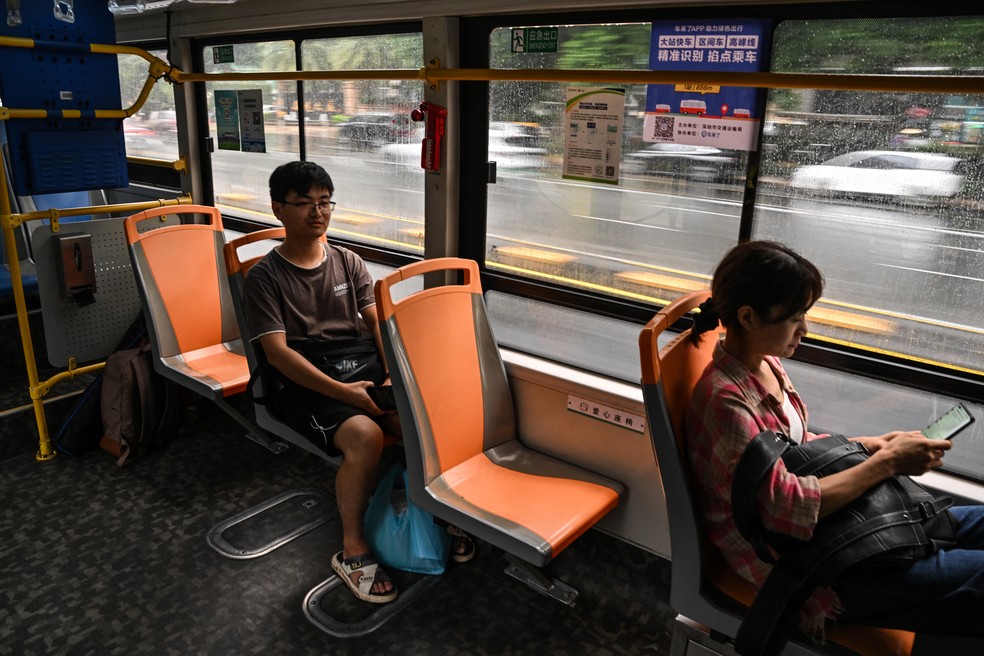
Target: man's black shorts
{"x":315,"y":416}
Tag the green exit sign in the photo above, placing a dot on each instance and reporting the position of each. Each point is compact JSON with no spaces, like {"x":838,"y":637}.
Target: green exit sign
{"x":534,"y":39}
{"x":222,"y":55}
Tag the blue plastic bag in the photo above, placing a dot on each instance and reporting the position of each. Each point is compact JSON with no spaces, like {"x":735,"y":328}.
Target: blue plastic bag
{"x":400,"y":534}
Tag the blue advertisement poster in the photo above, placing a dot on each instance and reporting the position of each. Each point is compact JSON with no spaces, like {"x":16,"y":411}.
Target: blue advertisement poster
{"x":227,"y":119}
{"x":706,"y":114}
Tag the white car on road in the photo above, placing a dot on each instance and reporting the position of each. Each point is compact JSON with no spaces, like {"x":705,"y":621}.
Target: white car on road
{"x":700,"y":163}
{"x":885,"y":173}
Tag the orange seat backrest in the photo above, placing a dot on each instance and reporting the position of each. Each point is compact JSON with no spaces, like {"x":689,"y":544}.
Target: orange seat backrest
{"x":445,"y":338}
{"x":181,"y":268}
{"x":235,"y":262}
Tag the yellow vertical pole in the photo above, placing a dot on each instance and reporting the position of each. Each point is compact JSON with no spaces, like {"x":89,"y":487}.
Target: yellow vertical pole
{"x":45,"y":452}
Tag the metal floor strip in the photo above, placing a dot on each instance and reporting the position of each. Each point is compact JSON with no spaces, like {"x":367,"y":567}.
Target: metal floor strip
{"x":316,"y":614}
{"x":313,"y":511}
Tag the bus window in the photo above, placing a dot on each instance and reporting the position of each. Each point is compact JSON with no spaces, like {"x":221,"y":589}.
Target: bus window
{"x":565,"y":335}
{"x":240,"y":178}
{"x":361,"y":132}
{"x":649,"y":238}
{"x":152,"y":132}
{"x":883,"y":191}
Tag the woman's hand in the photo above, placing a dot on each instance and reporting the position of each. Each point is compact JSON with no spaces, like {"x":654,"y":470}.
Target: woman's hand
{"x":899,"y":452}
{"x":874,"y":444}
{"x":911,"y":453}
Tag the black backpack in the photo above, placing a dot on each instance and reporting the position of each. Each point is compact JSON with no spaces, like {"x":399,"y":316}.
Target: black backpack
{"x":893,"y":524}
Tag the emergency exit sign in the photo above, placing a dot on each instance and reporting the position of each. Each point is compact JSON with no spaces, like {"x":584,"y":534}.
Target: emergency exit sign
{"x":534,"y":39}
{"x":223,"y":55}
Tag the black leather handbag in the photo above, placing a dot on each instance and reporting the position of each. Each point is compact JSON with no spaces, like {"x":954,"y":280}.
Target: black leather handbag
{"x":893,"y":524}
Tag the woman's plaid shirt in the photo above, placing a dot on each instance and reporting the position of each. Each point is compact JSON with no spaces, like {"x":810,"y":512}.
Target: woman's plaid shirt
{"x":728,"y":408}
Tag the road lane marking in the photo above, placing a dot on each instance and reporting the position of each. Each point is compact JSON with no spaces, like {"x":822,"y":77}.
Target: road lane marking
{"x":872,"y":221}
{"x":380,"y":215}
{"x":362,"y":237}
{"x":535,"y":254}
{"x":662,"y":281}
{"x":607,"y":258}
{"x":629,"y":223}
{"x":935,"y":273}
{"x":413,"y":233}
{"x":850,"y":320}
{"x":354,"y":219}
{"x":569,"y":282}
{"x":897,"y":354}
{"x":961,"y":248}
{"x":904,"y":316}
{"x":826,"y":316}
{"x":650,"y":194}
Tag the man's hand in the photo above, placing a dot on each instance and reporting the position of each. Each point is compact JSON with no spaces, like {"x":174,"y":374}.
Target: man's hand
{"x":357,"y":396}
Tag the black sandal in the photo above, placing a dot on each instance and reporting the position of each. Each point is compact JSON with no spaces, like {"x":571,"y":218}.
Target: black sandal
{"x":462,"y":546}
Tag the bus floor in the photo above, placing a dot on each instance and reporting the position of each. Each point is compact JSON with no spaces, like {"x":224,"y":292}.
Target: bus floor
{"x":100,"y":560}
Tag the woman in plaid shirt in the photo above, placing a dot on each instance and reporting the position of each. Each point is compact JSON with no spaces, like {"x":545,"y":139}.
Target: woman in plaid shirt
{"x":761,"y":292}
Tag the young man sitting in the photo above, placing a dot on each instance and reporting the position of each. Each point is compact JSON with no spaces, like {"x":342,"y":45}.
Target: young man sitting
{"x":302,"y":300}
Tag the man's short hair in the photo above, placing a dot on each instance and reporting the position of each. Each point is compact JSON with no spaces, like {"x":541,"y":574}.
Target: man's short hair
{"x":299,"y":177}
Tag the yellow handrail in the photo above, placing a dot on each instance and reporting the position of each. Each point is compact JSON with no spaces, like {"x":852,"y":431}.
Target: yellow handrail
{"x":54,"y":215}
{"x":73,"y":371}
{"x":179,"y":164}
{"x":13,"y":261}
{"x":434,"y":75}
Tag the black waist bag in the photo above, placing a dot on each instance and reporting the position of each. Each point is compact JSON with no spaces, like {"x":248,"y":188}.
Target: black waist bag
{"x":345,"y":360}
{"x":893,"y":524}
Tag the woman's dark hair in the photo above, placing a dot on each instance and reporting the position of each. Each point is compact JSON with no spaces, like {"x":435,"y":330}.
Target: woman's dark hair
{"x":299,"y":177}
{"x":763,"y":275}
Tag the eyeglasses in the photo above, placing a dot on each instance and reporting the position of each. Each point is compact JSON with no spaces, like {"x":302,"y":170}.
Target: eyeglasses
{"x":325,"y":206}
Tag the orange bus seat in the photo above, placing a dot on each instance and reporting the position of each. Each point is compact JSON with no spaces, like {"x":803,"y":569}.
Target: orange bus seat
{"x":465,"y":461}
{"x":194,"y":335}
{"x":709,"y":596}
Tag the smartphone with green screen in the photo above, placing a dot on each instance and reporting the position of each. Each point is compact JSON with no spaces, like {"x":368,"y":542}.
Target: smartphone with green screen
{"x":955,"y":420}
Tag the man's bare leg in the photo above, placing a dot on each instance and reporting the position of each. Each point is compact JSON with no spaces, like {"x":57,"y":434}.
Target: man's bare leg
{"x":360,"y":440}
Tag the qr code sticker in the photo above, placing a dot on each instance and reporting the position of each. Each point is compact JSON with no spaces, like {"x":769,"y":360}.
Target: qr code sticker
{"x":609,"y":171}
{"x":663,"y":128}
